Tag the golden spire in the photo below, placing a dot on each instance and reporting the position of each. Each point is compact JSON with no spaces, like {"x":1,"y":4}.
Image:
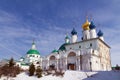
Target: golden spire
{"x":85,"y":26}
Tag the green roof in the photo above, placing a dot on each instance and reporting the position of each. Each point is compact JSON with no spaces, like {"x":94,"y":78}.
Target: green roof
{"x":62,"y":47}
{"x":67,"y":37}
{"x":32,"y":51}
{"x":22,"y":58}
{"x":24,"y":64}
{"x":54,"y":51}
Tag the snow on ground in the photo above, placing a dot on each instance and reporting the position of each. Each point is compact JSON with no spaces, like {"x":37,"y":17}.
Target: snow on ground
{"x":100,"y":75}
{"x":77,"y":75}
{"x":73,"y":75}
{"x":106,"y":75}
{"x":24,"y":76}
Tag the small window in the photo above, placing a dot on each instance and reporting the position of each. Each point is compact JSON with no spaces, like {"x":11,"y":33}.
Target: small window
{"x":79,"y":46}
{"x":90,"y":44}
{"x":30,"y":56}
{"x":37,"y":63}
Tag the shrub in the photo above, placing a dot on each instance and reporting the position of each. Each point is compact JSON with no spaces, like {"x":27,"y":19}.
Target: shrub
{"x":31,"y":69}
{"x":39,"y":72}
{"x":117,"y":67}
{"x":11,"y":62}
{"x":10,"y":70}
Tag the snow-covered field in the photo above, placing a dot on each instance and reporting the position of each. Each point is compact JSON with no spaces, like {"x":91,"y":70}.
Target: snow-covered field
{"x":24,"y":76}
{"x":73,"y":75}
{"x":101,"y":75}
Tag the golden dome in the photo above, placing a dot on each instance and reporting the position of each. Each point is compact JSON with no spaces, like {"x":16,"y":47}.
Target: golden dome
{"x":85,"y":26}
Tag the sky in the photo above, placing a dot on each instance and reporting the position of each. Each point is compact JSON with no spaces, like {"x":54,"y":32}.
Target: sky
{"x":48,"y":21}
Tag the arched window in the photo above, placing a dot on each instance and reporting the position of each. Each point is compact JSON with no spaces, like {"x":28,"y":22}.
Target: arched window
{"x":52,"y":58}
{"x":71,"y":54}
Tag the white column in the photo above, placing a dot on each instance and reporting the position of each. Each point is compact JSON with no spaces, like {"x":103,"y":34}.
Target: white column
{"x":41,"y":62}
{"x":62,"y":63}
{"x":79,"y":63}
{"x":79,"y":60}
{"x":76,"y":65}
{"x":57,"y":64}
{"x":66,"y":63}
{"x":48,"y":64}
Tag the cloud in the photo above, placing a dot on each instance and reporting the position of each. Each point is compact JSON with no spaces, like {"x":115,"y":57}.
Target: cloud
{"x":16,"y":38}
{"x":49,"y":25}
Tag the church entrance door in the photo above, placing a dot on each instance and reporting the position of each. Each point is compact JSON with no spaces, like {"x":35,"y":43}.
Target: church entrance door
{"x":52,"y":67}
{"x":71,"y":66}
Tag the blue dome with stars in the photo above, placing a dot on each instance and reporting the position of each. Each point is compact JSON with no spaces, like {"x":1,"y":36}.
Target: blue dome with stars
{"x":73,"y":32}
{"x":100,"y":33}
{"x":92,"y":26}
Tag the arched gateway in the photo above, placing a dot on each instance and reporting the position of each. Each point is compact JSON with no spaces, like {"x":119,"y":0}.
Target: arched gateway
{"x":71,"y":61}
{"x":52,"y":62}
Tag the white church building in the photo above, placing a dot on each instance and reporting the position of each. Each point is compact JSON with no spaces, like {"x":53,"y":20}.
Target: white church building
{"x":92,"y":53}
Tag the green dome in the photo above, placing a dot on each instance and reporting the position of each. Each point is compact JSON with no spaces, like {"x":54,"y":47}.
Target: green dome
{"x":54,"y":51}
{"x":67,"y":37}
{"x":62,"y":47}
{"x":31,"y":51}
{"x":22,"y":58}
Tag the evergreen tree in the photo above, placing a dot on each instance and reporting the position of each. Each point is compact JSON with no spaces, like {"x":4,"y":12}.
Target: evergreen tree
{"x":11,"y":62}
{"x":31,"y":70}
{"x":39,"y":72}
{"x":10,"y":70}
{"x":117,"y":67}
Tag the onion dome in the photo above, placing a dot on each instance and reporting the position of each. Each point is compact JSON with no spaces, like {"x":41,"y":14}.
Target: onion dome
{"x":100,"y":33}
{"x":85,"y":26}
{"x":67,"y":37}
{"x":62,"y":47}
{"x":73,"y":32}
{"x":54,"y":51}
{"x":33,"y":50}
{"x":92,"y":26}
{"x":22,"y":58}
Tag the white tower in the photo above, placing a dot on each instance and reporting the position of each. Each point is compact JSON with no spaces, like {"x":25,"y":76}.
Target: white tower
{"x":86,"y":33}
{"x":33,"y":45}
{"x":100,"y":35}
{"x":92,"y":30}
{"x":67,"y":39}
{"x":74,"y":35}
{"x":33,"y":54}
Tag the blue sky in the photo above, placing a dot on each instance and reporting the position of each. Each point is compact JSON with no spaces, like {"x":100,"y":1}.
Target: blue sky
{"x":47,"y":21}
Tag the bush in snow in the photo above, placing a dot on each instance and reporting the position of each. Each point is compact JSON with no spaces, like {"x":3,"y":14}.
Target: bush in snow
{"x":39,"y":72}
{"x":31,"y":69}
{"x":10,"y":70}
{"x":117,"y":67}
{"x":11,"y":62}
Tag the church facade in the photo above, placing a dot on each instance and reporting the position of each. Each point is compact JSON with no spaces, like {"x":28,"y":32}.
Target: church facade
{"x":89,"y":54}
